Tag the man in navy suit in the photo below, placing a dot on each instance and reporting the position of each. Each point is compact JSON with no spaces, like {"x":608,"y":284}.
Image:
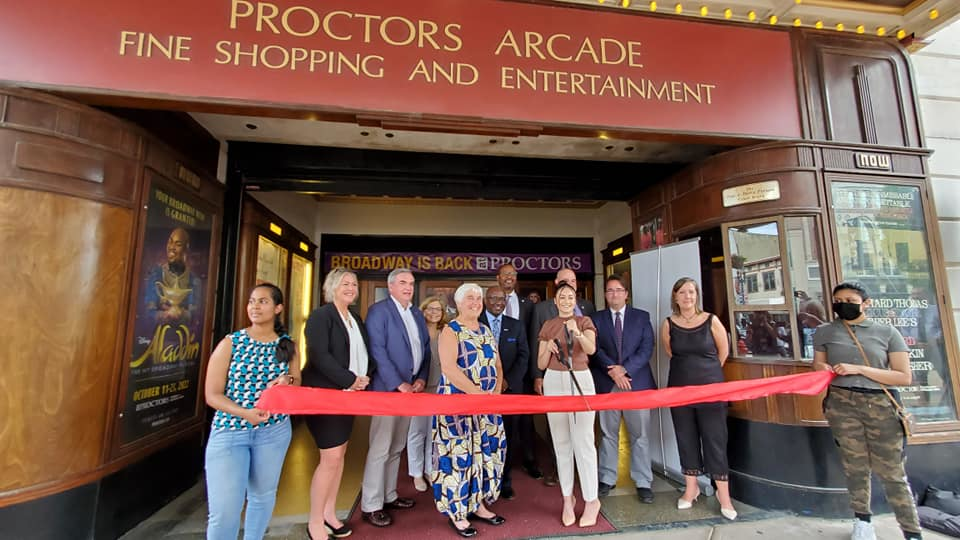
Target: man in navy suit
{"x":622,"y":364}
{"x":514,"y":356}
{"x":399,"y":346}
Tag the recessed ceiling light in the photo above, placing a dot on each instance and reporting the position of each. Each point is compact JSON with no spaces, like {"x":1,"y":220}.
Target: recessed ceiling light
{"x":493,"y":141}
{"x":365,"y":133}
{"x":388,"y":135}
{"x":628,"y":149}
{"x":251,"y":126}
{"x":515,"y":142}
{"x":610,"y":147}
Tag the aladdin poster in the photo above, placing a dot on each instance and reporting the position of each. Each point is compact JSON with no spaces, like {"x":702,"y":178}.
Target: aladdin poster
{"x":165,"y":360}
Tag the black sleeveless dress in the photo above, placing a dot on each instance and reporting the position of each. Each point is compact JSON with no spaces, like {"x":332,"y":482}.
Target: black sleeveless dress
{"x":695,"y":359}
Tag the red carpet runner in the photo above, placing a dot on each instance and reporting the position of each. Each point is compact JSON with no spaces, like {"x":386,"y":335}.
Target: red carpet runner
{"x":300,"y":400}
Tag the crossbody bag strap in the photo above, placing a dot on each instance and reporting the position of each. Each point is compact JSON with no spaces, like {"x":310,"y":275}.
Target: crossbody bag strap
{"x":863,"y":355}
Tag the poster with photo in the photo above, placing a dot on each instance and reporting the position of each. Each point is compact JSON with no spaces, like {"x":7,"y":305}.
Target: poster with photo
{"x":882,"y":241}
{"x":164,"y":365}
{"x":652,"y":234}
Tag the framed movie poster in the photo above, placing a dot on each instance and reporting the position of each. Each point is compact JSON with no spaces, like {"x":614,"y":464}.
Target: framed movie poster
{"x":169,"y":324}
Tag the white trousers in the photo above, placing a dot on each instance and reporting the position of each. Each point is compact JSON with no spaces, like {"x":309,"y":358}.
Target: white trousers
{"x":388,"y":436}
{"x":420,"y":446}
{"x":638,"y":430}
{"x":572,"y":433}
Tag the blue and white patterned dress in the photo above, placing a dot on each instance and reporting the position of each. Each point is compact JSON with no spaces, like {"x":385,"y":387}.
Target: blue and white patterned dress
{"x":468,"y":451}
{"x":253,"y":364}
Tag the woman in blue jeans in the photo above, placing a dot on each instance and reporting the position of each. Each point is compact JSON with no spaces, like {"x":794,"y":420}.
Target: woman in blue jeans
{"x":247,"y":445}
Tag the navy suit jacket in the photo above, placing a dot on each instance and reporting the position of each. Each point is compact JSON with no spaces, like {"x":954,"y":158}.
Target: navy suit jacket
{"x":389,"y":346}
{"x":637,"y":349}
{"x":514,"y":351}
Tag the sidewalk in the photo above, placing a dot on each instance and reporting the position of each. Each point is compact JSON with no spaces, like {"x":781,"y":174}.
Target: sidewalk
{"x":776,"y":528}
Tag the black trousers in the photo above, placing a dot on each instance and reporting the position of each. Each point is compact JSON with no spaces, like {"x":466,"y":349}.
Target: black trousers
{"x":702,"y":439}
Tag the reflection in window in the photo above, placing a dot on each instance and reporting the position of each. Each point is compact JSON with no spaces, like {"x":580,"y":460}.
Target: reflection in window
{"x":882,"y":241}
{"x":755,"y":249}
{"x":803,"y":249}
{"x":764,"y":333}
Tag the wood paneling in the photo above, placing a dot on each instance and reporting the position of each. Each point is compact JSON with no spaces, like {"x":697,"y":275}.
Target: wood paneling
{"x":857,"y":90}
{"x":780,"y":409}
{"x":66,"y":268}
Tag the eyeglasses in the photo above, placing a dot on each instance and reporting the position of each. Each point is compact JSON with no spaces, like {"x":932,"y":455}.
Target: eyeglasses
{"x":616,"y":291}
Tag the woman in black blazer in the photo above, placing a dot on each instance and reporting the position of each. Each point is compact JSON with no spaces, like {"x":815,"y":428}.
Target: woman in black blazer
{"x":336,"y":358}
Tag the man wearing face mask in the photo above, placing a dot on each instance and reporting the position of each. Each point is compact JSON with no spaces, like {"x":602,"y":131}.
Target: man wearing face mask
{"x":862,"y":417}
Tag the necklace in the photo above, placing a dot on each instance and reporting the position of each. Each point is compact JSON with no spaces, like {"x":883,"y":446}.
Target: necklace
{"x":689,"y":319}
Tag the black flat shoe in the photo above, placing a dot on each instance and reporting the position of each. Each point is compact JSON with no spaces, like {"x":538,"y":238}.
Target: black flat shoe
{"x":341,"y":532}
{"x":495,"y":520}
{"x":469,"y":532}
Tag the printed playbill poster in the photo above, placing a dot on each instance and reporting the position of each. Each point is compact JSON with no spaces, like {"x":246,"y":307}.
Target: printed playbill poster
{"x":165,"y":360}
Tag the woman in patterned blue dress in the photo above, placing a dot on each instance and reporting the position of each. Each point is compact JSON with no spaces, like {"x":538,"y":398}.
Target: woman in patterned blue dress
{"x":247,"y":445}
{"x":468,"y":451}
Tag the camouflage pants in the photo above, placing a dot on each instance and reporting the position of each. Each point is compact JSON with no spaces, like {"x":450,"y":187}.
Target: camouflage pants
{"x":870,"y":437}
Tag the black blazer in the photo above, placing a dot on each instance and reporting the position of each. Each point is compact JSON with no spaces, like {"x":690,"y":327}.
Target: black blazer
{"x":526,"y":309}
{"x":328,"y":349}
{"x":514,"y":351}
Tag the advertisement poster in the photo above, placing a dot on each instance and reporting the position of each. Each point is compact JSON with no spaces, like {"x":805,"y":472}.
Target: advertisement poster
{"x":165,"y":360}
{"x":883,"y":244}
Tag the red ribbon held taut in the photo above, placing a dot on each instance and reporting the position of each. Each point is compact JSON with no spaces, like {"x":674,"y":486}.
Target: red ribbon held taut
{"x":302,"y":400}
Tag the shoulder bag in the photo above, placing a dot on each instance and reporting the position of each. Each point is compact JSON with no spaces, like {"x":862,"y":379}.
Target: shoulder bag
{"x":907,"y":420}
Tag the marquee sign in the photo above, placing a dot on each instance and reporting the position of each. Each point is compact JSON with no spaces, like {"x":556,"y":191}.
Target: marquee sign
{"x":482,"y":59}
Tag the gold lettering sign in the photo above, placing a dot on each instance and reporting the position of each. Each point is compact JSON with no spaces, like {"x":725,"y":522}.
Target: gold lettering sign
{"x":751,"y":193}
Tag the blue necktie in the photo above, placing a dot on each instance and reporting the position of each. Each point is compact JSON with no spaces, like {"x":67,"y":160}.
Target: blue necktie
{"x":618,"y":334}
{"x":495,"y":326}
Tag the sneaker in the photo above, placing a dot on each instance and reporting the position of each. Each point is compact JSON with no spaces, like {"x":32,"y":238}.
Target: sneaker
{"x":862,"y":531}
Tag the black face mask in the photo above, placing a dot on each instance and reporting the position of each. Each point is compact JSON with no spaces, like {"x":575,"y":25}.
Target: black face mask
{"x":846,"y":310}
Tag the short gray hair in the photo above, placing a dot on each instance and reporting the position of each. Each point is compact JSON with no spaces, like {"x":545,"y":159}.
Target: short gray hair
{"x":333,"y":280}
{"x":464,"y":289}
{"x":392,"y":276}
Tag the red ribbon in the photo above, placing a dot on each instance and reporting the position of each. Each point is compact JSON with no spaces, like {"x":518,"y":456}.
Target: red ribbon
{"x":302,"y":400}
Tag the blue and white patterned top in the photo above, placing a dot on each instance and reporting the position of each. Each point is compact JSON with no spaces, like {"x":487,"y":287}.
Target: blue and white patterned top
{"x":253,"y":364}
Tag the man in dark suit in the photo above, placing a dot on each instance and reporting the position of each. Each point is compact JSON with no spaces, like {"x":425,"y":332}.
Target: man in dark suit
{"x":517,"y":306}
{"x":622,"y":364}
{"x":543,"y":312}
{"x":400,"y":350}
{"x":514,"y":355}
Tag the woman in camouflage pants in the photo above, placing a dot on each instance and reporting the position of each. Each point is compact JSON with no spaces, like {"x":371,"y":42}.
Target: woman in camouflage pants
{"x":862,"y":417}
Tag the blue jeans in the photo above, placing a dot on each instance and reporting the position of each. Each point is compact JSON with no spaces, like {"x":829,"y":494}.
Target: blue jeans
{"x":244,"y":462}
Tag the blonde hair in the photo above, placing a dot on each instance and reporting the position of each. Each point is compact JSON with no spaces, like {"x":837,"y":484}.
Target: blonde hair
{"x":333,"y":280}
{"x":443,"y":309}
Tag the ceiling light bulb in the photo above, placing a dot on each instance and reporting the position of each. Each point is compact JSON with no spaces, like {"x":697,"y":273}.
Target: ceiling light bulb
{"x":901,"y":33}
{"x":703,"y":11}
{"x":861,"y":29}
{"x":653,"y":6}
{"x":818,"y":25}
{"x":752,"y":15}
{"x":840,"y":27}
{"x":934,"y":13}
{"x":678,"y":8}
{"x":881,"y":31}
{"x":727,"y":13}
{"x":797,"y":22}
{"x":774,"y":19}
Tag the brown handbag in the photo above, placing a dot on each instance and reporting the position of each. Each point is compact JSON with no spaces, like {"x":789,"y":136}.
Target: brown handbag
{"x":907,"y":420}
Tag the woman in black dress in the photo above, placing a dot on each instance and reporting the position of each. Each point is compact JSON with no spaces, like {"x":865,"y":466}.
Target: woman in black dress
{"x":336,"y":358}
{"x":697,"y":344}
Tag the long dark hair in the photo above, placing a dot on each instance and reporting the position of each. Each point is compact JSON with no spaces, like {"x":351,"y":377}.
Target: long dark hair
{"x":285,"y":348}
